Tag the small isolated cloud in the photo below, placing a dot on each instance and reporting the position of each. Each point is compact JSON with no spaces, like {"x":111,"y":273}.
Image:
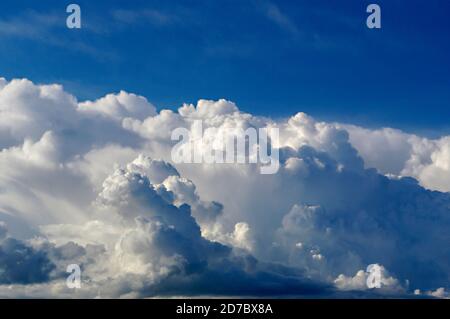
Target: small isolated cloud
{"x":359,"y":282}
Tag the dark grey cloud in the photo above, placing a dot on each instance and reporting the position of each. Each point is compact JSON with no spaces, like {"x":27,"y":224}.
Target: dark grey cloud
{"x":21,"y":264}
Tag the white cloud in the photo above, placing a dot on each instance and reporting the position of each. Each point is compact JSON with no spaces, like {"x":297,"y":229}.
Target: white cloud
{"x":395,"y":152}
{"x":119,"y":106}
{"x":92,"y":183}
{"x":438,"y":293}
{"x":388,"y":283}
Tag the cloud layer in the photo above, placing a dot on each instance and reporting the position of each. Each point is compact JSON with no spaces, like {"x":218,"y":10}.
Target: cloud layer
{"x":92,"y":183}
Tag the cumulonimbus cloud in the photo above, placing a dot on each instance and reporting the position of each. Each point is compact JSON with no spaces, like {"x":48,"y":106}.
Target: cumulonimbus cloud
{"x":92,"y":183}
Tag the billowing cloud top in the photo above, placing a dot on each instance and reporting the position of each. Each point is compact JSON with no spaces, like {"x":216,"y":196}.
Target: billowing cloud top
{"x":92,"y":183}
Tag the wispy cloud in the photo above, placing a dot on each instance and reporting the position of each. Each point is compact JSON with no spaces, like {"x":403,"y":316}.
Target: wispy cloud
{"x":150,"y":16}
{"x":30,"y":25}
{"x":275,"y":14}
{"x":49,"y":29}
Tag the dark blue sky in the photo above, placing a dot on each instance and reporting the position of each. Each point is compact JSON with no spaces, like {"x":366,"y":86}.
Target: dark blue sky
{"x":270,"y":57}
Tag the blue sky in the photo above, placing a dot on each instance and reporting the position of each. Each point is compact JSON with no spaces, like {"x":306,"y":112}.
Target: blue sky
{"x":270,"y":57}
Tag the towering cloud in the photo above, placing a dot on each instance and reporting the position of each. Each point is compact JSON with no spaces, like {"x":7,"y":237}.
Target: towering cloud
{"x":92,"y":183}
